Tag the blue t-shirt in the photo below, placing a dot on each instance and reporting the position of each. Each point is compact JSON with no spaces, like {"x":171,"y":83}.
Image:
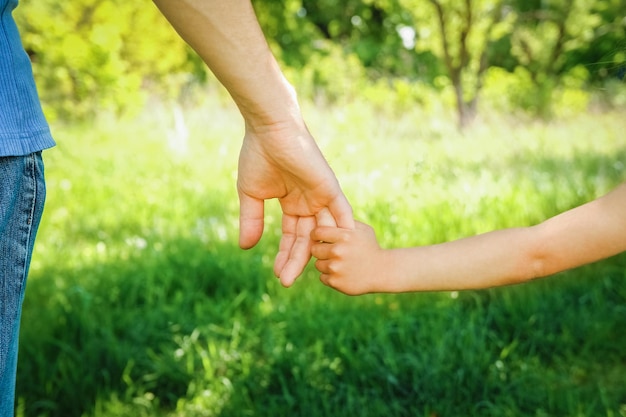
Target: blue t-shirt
{"x":23,"y":127}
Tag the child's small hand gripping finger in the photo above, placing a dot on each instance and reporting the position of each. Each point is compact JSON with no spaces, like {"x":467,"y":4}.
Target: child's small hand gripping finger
{"x":324,"y":239}
{"x":346,"y":258}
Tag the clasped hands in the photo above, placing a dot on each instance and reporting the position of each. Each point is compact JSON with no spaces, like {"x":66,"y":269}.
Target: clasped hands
{"x":278,"y":163}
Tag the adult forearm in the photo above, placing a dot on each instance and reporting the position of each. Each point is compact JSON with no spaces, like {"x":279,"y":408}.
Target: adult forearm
{"x":227,"y":36}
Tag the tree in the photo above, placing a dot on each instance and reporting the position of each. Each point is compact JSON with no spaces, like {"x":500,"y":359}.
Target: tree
{"x":460,"y":33}
{"x":605,"y":55}
{"x":546,"y":37}
{"x":90,"y":55}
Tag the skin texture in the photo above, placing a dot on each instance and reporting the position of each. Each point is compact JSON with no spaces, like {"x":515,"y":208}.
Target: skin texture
{"x":279,"y":158}
{"x":351,"y":261}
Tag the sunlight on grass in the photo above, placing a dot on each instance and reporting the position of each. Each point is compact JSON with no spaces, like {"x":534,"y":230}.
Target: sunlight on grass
{"x":141,"y":304}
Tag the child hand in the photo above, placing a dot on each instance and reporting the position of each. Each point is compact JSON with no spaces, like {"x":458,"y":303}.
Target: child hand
{"x":349,"y":260}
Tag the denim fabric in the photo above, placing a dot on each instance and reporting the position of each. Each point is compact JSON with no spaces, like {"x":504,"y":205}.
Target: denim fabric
{"x":22,"y":195}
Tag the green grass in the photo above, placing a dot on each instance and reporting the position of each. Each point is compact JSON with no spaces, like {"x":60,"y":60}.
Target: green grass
{"x":139,"y":302}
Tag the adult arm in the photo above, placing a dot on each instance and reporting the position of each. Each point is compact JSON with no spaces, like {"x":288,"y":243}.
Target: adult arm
{"x":279,"y":157}
{"x":354,"y":263}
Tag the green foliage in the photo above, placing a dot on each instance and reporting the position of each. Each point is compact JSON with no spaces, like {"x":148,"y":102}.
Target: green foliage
{"x":545,"y":34}
{"x":331,"y":75}
{"x":291,"y":35}
{"x":514,"y":92}
{"x":91,"y":56}
{"x":139,"y":302}
{"x":369,"y":29}
{"x":592,"y":34}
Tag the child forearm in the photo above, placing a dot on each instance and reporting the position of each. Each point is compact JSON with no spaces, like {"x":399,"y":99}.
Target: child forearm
{"x":352,"y":262}
{"x":582,"y":235}
{"x":491,"y":259}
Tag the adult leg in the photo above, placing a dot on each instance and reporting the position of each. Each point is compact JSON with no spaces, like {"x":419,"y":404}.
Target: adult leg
{"x":22,"y":195}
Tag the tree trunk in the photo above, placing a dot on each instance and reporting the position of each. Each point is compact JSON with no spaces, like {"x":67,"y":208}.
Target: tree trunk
{"x":466,"y":110}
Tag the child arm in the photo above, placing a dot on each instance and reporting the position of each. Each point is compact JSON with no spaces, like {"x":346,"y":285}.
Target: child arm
{"x":352,"y":262}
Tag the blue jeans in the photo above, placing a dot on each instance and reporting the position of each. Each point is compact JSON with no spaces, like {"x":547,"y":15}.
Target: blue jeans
{"x":22,"y":195}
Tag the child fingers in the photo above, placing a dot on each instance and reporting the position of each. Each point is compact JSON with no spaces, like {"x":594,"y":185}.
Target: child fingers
{"x":322,"y":265}
{"x":325,"y":234}
{"x":321,"y":250}
{"x":324,"y":278}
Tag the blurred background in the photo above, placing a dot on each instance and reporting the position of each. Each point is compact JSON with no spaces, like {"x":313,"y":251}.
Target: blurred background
{"x":539,"y":57}
{"x":441,"y":119}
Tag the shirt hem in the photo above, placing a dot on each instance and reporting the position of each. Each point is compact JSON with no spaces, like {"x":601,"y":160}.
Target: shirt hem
{"x":20,"y":145}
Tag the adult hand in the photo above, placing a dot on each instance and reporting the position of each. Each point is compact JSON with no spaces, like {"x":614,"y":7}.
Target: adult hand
{"x":284,"y":162}
{"x":279,"y":158}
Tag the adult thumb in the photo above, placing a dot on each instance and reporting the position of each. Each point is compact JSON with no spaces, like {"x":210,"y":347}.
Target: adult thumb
{"x":251,"y":212}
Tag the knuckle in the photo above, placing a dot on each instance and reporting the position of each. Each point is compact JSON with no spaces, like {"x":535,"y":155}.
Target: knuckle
{"x":334,"y":267}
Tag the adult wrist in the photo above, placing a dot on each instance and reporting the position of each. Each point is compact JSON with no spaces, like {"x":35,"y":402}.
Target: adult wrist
{"x":271,"y":110}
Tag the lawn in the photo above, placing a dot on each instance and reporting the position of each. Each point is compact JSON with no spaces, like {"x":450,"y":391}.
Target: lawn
{"x":140,"y":303}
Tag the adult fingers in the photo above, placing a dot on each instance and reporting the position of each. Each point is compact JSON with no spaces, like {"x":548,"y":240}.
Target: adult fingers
{"x":299,"y":250}
{"x":287,"y":240}
{"x":325,"y":218}
{"x":251,"y":211}
{"x":341,"y":210}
